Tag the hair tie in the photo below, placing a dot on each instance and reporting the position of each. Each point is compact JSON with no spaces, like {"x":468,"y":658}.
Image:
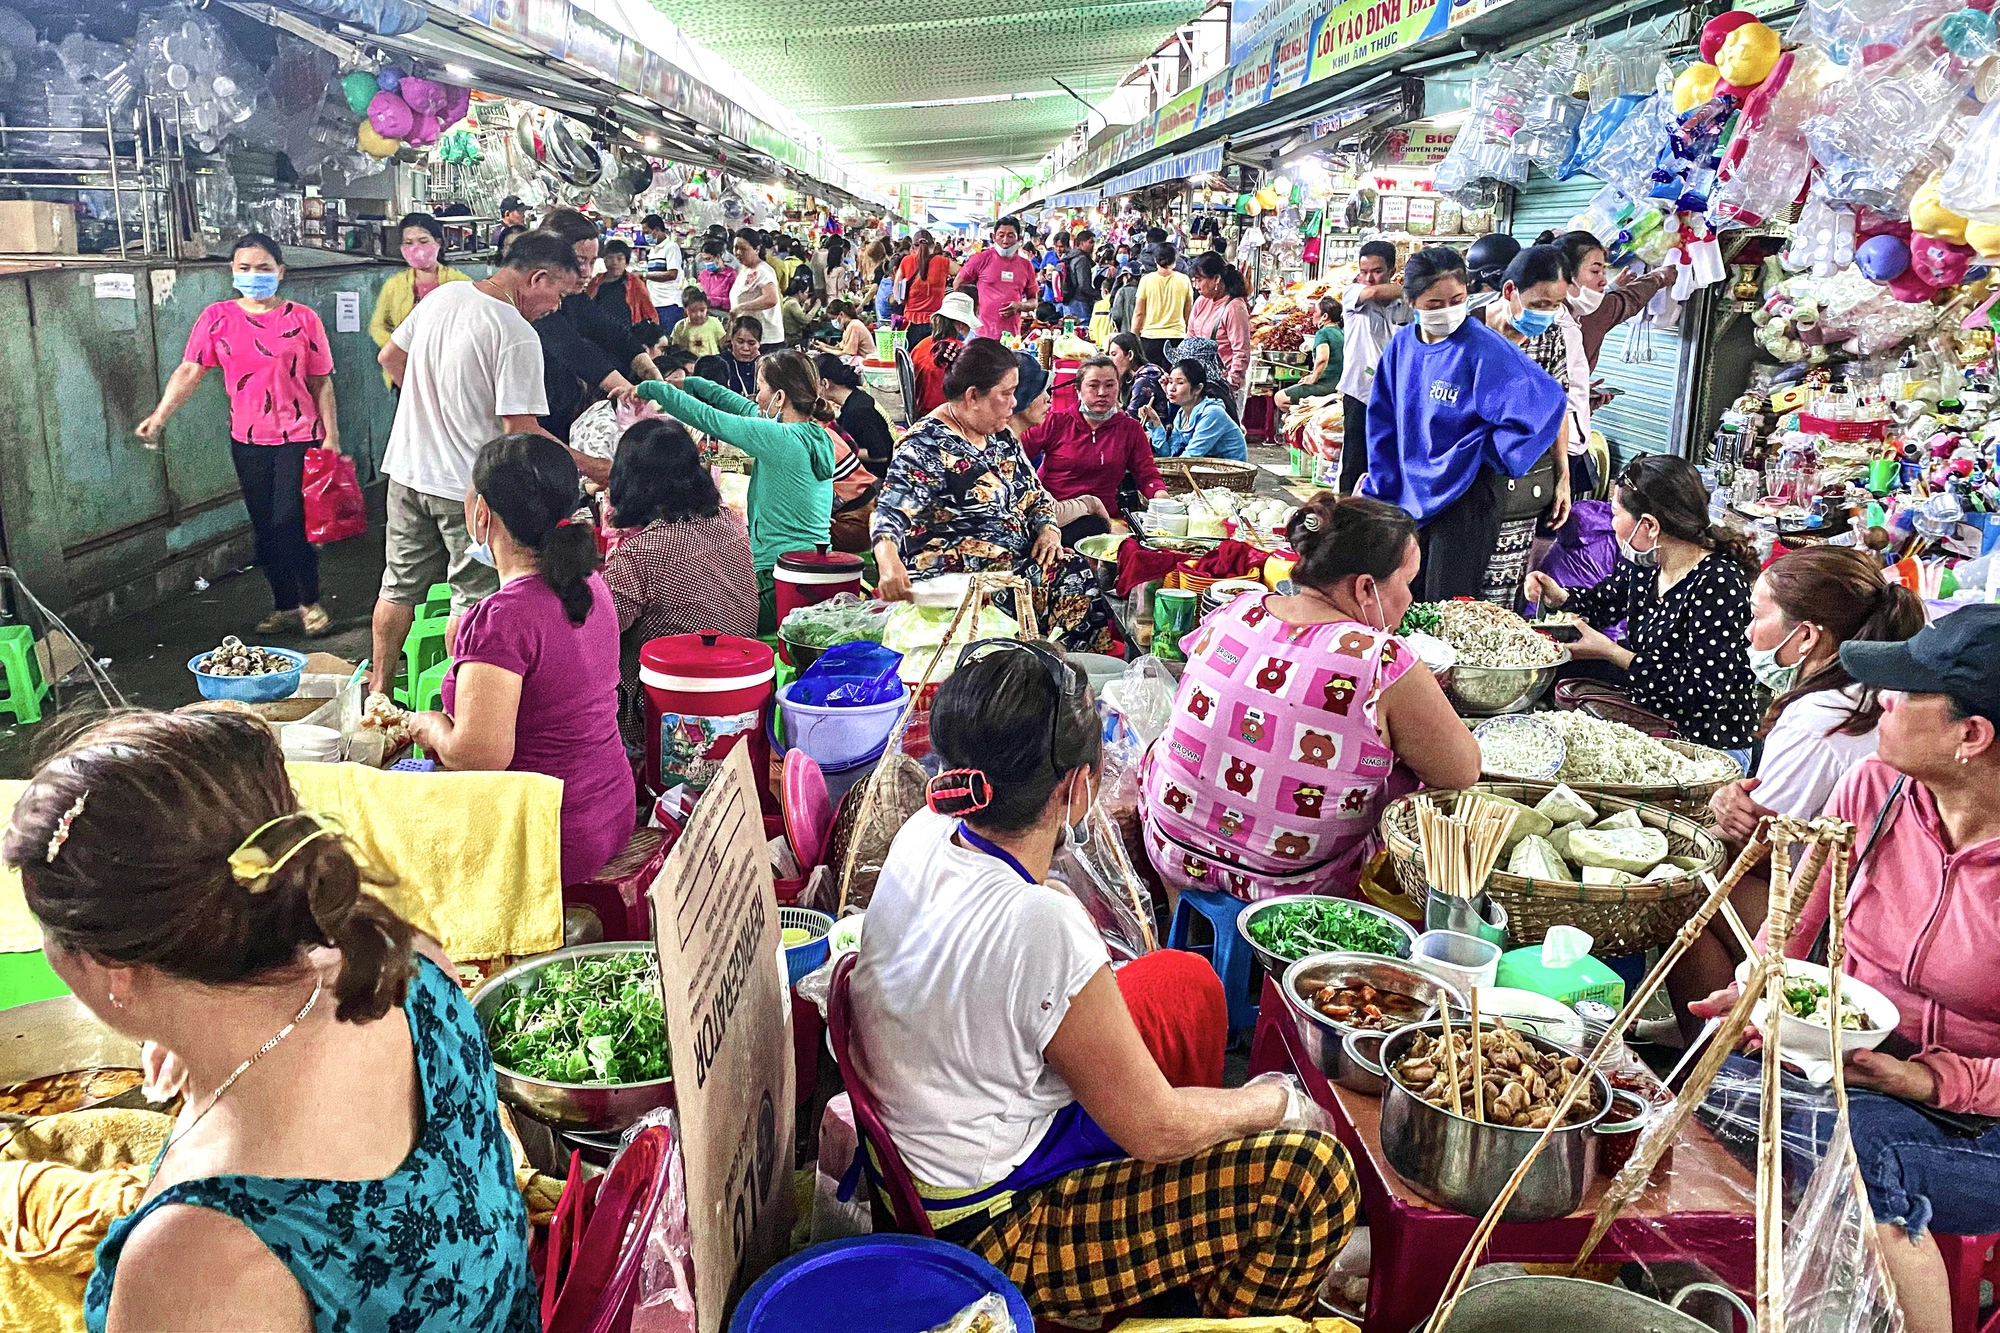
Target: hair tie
{"x":1310,"y":521}
{"x":965,"y":788}
{"x":251,"y":866}
{"x":564,"y":522}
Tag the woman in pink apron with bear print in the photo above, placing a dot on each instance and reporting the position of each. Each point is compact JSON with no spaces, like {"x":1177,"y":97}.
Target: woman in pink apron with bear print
{"x":1298,"y":717}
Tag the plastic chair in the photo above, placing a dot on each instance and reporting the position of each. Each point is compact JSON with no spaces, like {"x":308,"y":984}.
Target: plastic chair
{"x":21,"y":675}
{"x":437,"y":603}
{"x":1969,"y":1261}
{"x":423,"y":649}
{"x":1226,"y":949}
{"x":617,"y":893}
{"x":906,"y":1205}
{"x":430,"y":688}
{"x":600,"y":1282}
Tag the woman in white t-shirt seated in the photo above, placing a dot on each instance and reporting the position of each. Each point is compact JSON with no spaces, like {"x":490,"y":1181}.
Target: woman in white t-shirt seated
{"x":1029,"y":1089}
{"x":1820,"y":725}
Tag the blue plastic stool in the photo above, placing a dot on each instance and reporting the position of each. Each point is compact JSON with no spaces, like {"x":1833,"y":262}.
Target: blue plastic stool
{"x":1226,"y":949}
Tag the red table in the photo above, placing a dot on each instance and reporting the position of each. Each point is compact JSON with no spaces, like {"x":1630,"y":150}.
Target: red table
{"x":1697,"y":1209}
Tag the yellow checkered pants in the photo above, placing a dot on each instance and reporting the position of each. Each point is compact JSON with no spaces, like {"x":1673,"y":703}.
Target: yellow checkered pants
{"x":1252,"y":1225}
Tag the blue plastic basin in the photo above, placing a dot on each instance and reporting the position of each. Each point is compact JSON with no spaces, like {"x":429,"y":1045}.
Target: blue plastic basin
{"x":873,"y":1283}
{"x":251,"y":689}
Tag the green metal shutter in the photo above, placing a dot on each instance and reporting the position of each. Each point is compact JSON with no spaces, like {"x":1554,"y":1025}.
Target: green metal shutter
{"x":1642,"y":419}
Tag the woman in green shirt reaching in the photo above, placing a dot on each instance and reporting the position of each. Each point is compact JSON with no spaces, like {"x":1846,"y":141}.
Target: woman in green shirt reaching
{"x":1328,"y":359}
{"x":791,"y":484}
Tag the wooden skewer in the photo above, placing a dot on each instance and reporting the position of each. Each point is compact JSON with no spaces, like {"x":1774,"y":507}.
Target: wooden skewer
{"x":1478,"y":1089}
{"x":1450,"y":1059}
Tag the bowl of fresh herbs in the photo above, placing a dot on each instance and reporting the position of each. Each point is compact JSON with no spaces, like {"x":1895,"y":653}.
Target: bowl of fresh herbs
{"x":1283,"y":930}
{"x":579,"y":1037}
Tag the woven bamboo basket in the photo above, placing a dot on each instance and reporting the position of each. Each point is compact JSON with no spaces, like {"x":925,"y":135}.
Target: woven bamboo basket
{"x":1208,"y":473}
{"x":1622,"y":919}
{"x":1689,"y":800}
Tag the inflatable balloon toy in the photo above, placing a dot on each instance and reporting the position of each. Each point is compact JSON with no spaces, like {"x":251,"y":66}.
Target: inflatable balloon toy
{"x":358,"y":88}
{"x":1984,"y":238}
{"x":426,"y":130}
{"x":389,"y":77}
{"x":424,"y":96}
{"x":1929,"y":215}
{"x":457,"y":104}
{"x":1748,"y":55}
{"x":1882,"y":258}
{"x":1910,"y":288}
{"x":1716,"y":31}
{"x":1939,"y":262}
{"x":1694,"y":85}
{"x":373,"y":143}
{"x":390,"y":115}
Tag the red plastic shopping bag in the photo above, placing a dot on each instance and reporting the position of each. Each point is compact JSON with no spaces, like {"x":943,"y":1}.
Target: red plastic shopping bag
{"x":334,"y":509}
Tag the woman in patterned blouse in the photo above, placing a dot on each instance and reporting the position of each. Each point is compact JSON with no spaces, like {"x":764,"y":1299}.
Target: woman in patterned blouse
{"x":961,"y":497}
{"x":688,"y":566}
{"x":1685,"y":595}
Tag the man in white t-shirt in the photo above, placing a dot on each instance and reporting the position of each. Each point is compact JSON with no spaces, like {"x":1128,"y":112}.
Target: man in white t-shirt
{"x":663,"y":271}
{"x":468,"y":365}
{"x":1372,"y":309}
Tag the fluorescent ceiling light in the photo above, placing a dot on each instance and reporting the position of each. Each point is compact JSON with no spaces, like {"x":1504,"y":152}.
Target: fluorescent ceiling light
{"x":458,"y":71}
{"x":939,"y":102}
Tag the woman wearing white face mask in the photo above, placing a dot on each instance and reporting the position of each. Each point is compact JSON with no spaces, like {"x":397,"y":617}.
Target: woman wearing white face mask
{"x":1032,"y":1091}
{"x":1453,"y":410}
{"x":1299,"y":717}
{"x":1599,"y":305}
{"x":1683,"y":588}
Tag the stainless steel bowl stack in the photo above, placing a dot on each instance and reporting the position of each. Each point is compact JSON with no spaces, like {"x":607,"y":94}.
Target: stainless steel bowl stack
{"x":1321,"y":1036}
{"x":1478,"y":691}
{"x":572,"y":1106}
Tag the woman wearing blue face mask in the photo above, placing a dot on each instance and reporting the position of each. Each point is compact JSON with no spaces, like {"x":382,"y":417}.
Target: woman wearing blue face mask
{"x":1682,"y":585}
{"x":278,"y":372}
{"x":1456,"y":414}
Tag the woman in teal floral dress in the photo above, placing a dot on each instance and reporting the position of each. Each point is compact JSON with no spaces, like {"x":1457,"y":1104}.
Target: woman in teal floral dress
{"x":961,"y":497}
{"x":338,"y":1163}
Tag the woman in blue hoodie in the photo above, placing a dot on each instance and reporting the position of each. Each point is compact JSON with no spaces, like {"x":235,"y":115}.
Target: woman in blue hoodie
{"x":1202,"y":426}
{"x":1454,"y":408}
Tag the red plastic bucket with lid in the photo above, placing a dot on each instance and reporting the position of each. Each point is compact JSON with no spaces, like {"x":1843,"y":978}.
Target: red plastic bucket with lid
{"x":806,"y":577}
{"x":703,"y":692}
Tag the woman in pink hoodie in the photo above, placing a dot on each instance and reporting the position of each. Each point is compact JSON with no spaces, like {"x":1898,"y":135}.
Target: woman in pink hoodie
{"x":1922,"y":922}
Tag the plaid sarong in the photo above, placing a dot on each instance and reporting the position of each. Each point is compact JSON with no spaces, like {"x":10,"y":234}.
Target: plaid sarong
{"x":1252,"y":1225}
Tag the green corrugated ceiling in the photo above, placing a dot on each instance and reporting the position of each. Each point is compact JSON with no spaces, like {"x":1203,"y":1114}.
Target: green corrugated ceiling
{"x":824,"y":60}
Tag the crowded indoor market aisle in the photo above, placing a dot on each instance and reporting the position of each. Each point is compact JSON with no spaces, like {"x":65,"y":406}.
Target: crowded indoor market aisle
{"x":1285,"y":666}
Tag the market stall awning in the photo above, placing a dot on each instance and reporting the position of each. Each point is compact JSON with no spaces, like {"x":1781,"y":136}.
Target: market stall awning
{"x":1199,"y":162}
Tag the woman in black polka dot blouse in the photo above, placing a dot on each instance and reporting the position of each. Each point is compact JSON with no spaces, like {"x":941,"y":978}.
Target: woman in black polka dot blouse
{"x":1682,"y":585}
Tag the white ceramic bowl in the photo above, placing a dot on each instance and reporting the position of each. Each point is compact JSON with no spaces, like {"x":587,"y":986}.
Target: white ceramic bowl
{"x":1808,"y":1039}
{"x":1532,"y":1010}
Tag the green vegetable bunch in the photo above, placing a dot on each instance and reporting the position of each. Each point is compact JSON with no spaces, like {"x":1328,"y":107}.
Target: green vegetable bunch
{"x":1293,"y":930}
{"x":593,"y":1020}
{"x":1421,"y":618}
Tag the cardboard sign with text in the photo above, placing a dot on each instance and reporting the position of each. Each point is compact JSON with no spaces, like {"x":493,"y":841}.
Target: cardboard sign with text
{"x":729,"y":1022}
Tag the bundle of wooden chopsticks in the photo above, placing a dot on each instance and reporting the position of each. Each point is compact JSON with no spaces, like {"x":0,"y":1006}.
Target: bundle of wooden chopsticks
{"x":1461,"y":848}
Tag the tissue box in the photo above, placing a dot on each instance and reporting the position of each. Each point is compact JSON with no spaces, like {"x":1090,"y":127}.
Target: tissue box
{"x":1585,"y":979}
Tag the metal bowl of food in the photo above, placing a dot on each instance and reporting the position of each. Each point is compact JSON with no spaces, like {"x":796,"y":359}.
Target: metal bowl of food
{"x":1462,"y":1163}
{"x":48,"y":1039}
{"x":1280,"y":931}
{"x":573,"y":1106}
{"x":1482,"y":691}
{"x":1319,"y":986}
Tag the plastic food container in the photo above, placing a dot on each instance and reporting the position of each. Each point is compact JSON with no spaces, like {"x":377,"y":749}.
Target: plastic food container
{"x":837,"y":738}
{"x":703,"y":693}
{"x":1463,"y":960}
{"x":307,"y":743}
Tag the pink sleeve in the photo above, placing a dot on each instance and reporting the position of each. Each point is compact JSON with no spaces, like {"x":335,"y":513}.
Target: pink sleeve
{"x":201,"y":347}
{"x":1236,"y":327}
{"x":1964,"y":1083}
{"x":319,"y":357}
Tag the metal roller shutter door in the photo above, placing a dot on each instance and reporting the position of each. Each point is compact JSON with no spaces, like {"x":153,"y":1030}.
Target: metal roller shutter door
{"x":1643,"y":418}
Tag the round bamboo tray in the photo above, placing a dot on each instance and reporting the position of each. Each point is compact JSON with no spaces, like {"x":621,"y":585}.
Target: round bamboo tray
{"x":1208,"y":473}
{"x":1621,"y":918}
{"x":1689,"y":800}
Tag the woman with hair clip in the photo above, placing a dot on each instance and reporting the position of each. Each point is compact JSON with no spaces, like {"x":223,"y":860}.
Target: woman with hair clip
{"x":1685,"y":598}
{"x":686,"y":568}
{"x":333,"y":1085}
{"x":533,"y":686}
{"x":790,"y":503}
{"x":1042,"y":1101}
{"x":1299,"y":717}
{"x":960,"y":497}
{"x":1454,"y":410}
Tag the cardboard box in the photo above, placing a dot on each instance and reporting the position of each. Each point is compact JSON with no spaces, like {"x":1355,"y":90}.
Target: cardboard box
{"x":35,"y":227}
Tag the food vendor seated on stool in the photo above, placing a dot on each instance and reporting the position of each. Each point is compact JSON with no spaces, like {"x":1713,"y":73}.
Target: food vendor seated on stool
{"x":533,"y":687}
{"x":1923,"y":913}
{"x":1299,"y":717}
{"x":961,"y":497}
{"x":1821,"y":723}
{"x":1093,"y":451}
{"x":1063,"y":1120}
{"x":1684,"y":595}
{"x":334,"y":1086}
{"x":1204,"y":424}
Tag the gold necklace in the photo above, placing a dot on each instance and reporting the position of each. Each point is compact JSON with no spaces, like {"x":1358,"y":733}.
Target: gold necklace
{"x":240,"y":1071}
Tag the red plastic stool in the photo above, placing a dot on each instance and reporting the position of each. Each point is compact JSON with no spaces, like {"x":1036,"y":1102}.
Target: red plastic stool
{"x":617,"y":893}
{"x":1969,"y":1261}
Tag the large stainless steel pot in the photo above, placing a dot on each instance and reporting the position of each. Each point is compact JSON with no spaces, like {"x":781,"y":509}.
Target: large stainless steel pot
{"x":1572,"y":1305}
{"x":1322,"y":1036}
{"x":1462,"y":1163}
{"x":57,"y":1036}
{"x":578,"y":1106}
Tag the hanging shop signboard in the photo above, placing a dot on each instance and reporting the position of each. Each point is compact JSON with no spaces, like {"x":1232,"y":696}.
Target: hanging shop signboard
{"x":1291,"y":56}
{"x":1214,"y":101}
{"x":1464,"y":10}
{"x":1250,"y":83}
{"x":1176,"y":118}
{"x":592,"y":44}
{"x":545,"y":24}
{"x":729,"y":1024}
{"x":1421,"y":143}
{"x":479,"y":11}
{"x":1358,"y":31}
{"x":1255,"y":23}
{"x":505,"y":17}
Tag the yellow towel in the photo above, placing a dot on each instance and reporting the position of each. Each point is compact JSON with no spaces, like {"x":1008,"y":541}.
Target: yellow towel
{"x":478,"y":856}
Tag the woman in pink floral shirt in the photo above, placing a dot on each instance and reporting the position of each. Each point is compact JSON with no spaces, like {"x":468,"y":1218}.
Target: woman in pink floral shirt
{"x":1298,"y":715}
{"x":278,"y":371}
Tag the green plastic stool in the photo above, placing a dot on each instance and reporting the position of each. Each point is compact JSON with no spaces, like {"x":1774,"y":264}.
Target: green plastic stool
{"x":437,"y":602}
{"x":430,"y":688}
{"x":27,"y":977}
{"x":424,"y":649}
{"x":21,"y":674}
